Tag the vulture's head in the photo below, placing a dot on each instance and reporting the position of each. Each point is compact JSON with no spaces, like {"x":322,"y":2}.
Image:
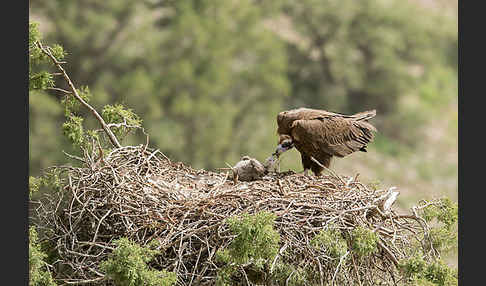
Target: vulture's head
{"x":285,"y":143}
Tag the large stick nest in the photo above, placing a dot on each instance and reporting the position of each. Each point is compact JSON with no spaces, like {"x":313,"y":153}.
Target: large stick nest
{"x":137,"y":192}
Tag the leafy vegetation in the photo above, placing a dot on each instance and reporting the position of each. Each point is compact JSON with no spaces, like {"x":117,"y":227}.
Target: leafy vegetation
{"x":364,"y":241}
{"x":444,"y":234}
{"x":39,"y":274}
{"x":331,"y":241}
{"x":287,"y":274}
{"x":128,"y":266}
{"x":256,"y":243}
{"x":422,"y":273}
{"x":443,"y":237}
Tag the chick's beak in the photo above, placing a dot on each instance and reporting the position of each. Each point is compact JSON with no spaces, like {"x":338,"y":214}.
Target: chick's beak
{"x":280,"y":149}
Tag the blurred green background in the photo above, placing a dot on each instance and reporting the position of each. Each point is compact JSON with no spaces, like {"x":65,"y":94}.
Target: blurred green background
{"x":209,"y":77}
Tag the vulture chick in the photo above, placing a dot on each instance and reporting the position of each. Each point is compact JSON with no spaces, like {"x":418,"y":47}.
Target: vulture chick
{"x":248,"y":169}
{"x":319,"y":135}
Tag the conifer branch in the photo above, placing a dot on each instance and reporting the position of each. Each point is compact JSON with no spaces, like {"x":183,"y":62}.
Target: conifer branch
{"x":105,"y":127}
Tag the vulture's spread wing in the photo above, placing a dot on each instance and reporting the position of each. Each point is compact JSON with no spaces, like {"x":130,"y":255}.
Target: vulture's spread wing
{"x":335,"y":135}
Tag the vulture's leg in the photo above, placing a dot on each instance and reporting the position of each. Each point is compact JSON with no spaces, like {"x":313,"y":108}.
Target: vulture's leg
{"x":325,"y":160}
{"x":317,"y":170}
{"x":306,"y":163}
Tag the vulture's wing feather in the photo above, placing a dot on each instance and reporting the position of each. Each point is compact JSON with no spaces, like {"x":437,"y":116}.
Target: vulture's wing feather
{"x":334,"y":135}
{"x":286,"y":118}
{"x":308,"y":143}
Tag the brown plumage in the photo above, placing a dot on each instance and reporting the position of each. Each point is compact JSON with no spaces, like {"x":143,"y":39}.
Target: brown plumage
{"x":322,"y":134}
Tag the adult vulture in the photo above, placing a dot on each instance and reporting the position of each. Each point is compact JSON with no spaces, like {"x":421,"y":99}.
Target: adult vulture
{"x":319,"y":135}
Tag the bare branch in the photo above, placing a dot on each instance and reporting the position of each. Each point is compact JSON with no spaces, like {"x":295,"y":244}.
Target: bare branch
{"x":110,"y":134}
{"x":59,"y":89}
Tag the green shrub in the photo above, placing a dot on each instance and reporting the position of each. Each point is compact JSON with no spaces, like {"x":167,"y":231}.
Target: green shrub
{"x":127,"y":266}
{"x":444,"y":235}
{"x":72,"y":104}
{"x":413,"y":266}
{"x":422,"y":273}
{"x":331,"y":242}
{"x":39,"y":274}
{"x":440,"y":274}
{"x":256,"y":239}
{"x":256,"y":242}
{"x":445,"y":212}
{"x":298,"y":276}
{"x":364,"y":241}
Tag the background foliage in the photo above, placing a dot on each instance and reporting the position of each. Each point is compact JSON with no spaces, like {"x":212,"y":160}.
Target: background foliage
{"x":208,"y":78}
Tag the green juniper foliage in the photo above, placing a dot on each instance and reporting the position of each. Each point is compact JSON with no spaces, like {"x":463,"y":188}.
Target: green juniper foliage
{"x":446,"y":212}
{"x":256,"y":239}
{"x":34,"y":185}
{"x":73,"y":129}
{"x":413,"y":266}
{"x":331,"y":241}
{"x":444,"y":234}
{"x":441,"y":274}
{"x":287,"y":274}
{"x":127,"y":266}
{"x":119,"y":114}
{"x":40,"y":79}
{"x":39,"y":274}
{"x":71,"y":104}
{"x":443,"y":239}
{"x":364,"y":241}
{"x":423,"y":273}
{"x":443,"y":217}
{"x":256,"y":242}
{"x":51,"y":179}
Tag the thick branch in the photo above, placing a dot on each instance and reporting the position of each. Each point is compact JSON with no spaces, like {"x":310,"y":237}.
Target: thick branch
{"x":110,"y":134}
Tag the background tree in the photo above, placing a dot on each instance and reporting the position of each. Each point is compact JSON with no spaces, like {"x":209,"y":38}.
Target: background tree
{"x":199,"y":70}
{"x":353,"y":56}
{"x":207,"y":79}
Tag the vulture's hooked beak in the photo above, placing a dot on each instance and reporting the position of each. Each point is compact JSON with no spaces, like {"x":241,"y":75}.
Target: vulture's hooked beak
{"x":284,"y":146}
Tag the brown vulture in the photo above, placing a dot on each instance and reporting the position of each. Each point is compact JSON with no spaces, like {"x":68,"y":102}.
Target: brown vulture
{"x":319,"y":135}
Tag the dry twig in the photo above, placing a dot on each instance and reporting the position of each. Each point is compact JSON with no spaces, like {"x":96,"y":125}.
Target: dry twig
{"x":140,"y":194}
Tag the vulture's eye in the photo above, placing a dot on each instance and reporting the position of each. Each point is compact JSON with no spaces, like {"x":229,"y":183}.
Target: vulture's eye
{"x":286,"y":144}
